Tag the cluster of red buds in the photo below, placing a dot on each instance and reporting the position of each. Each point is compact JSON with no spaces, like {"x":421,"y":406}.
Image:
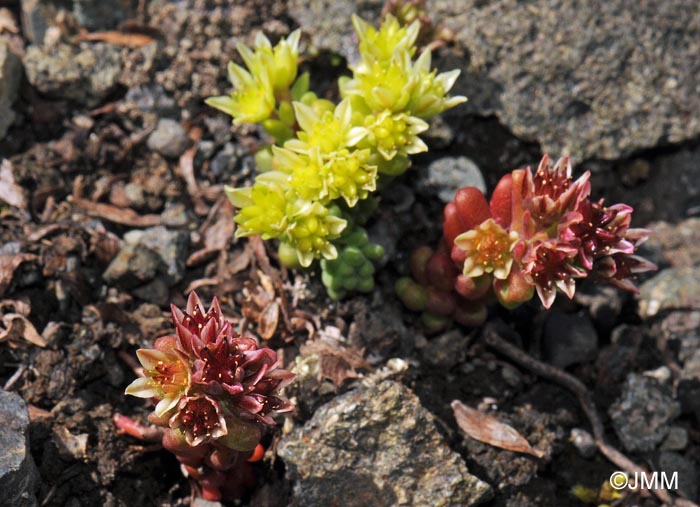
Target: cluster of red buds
{"x":215,"y":392}
{"x":539,"y":233}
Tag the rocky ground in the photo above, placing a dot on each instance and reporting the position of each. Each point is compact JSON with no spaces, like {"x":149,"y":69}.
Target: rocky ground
{"x":111,"y":207}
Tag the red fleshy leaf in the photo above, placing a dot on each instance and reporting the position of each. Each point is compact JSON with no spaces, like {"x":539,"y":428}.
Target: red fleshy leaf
{"x":440,"y":302}
{"x":441,"y":272}
{"x":517,"y":186}
{"x":472,"y":207}
{"x":452,"y":225}
{"x":502,"y":201}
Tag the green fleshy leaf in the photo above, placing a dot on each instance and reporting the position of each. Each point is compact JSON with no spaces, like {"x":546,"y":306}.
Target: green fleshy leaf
{"x":300,"y":87}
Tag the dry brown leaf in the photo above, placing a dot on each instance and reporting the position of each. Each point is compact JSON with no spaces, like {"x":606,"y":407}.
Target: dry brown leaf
{"x":187,"y":172}
{"x":21,"y":306}
{"x":7,"y":21}
{"x":268,"y":320}
{"x":336,"y":362}
{"x":35,"y":234}
{"x":489,"y":430}
{"x":17,"y":326}
{"x":217,"y":231}
{"x":10,"y":191}
{"x":8,"y":265}
{"x":131,"y":40}
{"x":123,"y":216}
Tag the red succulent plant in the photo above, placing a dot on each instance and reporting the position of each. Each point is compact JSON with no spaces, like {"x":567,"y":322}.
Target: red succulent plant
{"x":539,"y":233}
{"x":215,"y":390}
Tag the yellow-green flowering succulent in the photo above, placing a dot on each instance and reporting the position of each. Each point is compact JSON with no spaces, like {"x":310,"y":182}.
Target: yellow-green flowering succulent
{"x":391,"y":37}
{"x":326,"y":158}
{"x":252,"y":99}
{"x":269,"y":74}
{"x":328,"y":130}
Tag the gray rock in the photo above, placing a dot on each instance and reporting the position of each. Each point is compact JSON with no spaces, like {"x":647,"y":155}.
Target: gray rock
{"x":569,"y":339}
{"x":225,"y":161}
{"x":134,"y":265}
{"x":40,"y":15}
{"x":672,"y":191}
{"x":101,"y":15}
{"x":584,"y":442}
{"x":171,"y":246}
{"x":219,"y":128}
{"x":449,"y":174}
{"x":642,"y":414}
{"x":376,"y":446}
{"x":18,"y":474}
{"x":169,"y":138}
{"x":565,"y":75}
{"x":206,"y":149}
{"x":676,"y":440}
{"x":86,"y":73}
{"x":152,"y":97}
{"x":677,"y":243}
{"x":156,"y":292}
{"x":332,"y":29}
{"x":135,"y":193}
{"x":10,"y":72}
{"x":673,"y":288}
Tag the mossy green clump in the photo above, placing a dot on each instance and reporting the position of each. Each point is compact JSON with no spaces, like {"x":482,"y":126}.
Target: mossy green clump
{"x":353,"y":269}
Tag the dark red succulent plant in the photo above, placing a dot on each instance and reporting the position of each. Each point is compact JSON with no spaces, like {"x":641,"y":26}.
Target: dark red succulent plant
{"x":215,"y":390}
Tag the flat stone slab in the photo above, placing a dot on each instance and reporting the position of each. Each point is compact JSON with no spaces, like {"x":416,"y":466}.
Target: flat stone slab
{"x":377,"y":446}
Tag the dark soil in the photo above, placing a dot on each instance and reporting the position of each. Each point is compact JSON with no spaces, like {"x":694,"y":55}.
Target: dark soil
{"x":70,"y":160}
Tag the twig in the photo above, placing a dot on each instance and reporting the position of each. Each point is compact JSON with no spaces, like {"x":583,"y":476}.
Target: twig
{"x":15,"y":377}
{"x":494,"y":340}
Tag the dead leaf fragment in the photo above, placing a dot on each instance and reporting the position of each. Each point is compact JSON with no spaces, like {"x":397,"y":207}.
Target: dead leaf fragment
{"x":123,"y":216}
{"x":8,"y":265}
{"x":10,"y":191}
{"x":69,"y":445}
{"x":7,"y":21}
{"x":268,"y":320}
{"x":187,"y":172}
{"x":336,"y":362}
{"x":17,"y":326}
{"x":130,"y":40}
{"x":489,"y":430}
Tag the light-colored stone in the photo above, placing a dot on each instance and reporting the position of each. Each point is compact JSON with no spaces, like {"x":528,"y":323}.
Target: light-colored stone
{"x":377,"y":446}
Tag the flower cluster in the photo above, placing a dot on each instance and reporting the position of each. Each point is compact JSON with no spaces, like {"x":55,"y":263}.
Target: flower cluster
{"x":215,"y":391}
{"x":539,"y":233}
{"x":326,"y":154}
